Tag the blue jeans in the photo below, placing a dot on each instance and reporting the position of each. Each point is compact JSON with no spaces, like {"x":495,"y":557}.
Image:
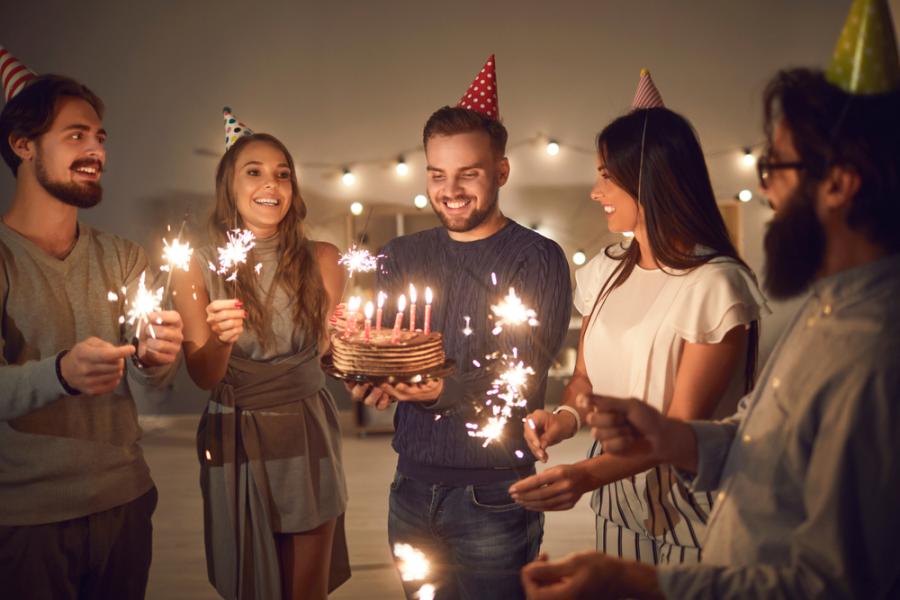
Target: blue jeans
{"x":476,"y":537}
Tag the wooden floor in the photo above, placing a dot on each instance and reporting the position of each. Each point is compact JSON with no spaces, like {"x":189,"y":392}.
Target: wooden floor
{"x":179,"y":566}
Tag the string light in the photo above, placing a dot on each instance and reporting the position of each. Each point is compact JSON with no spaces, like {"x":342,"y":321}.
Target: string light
{"x":402,"y":168}
{"x":579,"y":258}
{"x":749,"y":159}
{"x":552,"y":147}
{"x":356,"y":208}
{"x":745,"y":196}
{"x":421,"y":201}
{"x":348,"y":178}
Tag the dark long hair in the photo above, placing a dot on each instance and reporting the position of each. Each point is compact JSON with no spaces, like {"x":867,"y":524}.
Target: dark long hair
{"x":297,"y":271}
{"x":671,"y":184}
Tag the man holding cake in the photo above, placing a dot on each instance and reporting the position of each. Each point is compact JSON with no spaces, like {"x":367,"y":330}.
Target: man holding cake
{"x":449,"y":496}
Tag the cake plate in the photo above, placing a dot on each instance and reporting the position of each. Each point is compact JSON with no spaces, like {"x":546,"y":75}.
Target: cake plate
{"x":434,"y":373}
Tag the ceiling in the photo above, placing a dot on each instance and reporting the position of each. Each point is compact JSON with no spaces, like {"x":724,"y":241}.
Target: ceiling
{"x":345,"y":82}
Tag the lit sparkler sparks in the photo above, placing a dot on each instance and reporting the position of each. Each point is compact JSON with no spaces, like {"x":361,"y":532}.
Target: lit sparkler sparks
{"x":176,"y":255}
{"x":506,"y":394}
{"x":357,"y":260}
{"x":411,"y":562}
{"x":145,"y":301}
{"x":511,"y":311}
{"x":240,"y":242}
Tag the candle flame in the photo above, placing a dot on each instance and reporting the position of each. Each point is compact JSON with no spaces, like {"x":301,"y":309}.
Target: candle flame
{"x":428,"y":295}
{"x":381,"y":298}
{"x":401,"y":303}
{"x":412,"y":294}
{"x":369,"y":310}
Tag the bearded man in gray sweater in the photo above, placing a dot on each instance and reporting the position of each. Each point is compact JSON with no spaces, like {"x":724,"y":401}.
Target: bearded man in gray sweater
{"x":76,"y":496}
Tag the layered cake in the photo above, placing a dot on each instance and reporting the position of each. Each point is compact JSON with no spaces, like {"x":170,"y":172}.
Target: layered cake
{"x":412,"y":353}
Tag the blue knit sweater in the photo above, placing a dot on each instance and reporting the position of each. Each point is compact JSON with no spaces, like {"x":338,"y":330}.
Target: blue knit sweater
{"x":432,"y":439}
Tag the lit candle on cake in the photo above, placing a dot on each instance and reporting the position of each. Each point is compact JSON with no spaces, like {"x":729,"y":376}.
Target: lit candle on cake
{"x":398,"y":321}
{"x":368,"y":310}
{"x":352,"y":308}
{"x":428,"y":296}
{"x":412,"y":307}
{"x":381,"y":298}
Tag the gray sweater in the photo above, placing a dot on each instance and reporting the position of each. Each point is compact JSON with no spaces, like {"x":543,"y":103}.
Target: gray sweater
{"x":63,"y":457}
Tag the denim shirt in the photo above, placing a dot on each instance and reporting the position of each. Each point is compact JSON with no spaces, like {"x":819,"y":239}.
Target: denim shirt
{"x":808,"y":470}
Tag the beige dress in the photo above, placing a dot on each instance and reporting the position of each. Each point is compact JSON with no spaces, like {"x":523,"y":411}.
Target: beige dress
{"x":269,"y":449}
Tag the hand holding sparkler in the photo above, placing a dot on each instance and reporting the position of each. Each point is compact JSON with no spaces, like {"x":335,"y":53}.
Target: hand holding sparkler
{"x":544,"y":429}
{"x":159,"y":345}
{"x":226,"y":319}
{"x":94,"y":366}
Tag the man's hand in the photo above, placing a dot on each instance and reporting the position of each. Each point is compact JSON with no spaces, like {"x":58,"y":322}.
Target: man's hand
{"x":94,"y":367}
{"x":427,"y":391}
{"x":226,"y":319}
{"x":162,"y":346}
{"x":544,"y":429}
{"x":557,"y":488}
{"x":629,"y":427}
{"x":369,"y":395}
{"x":588,"y":575}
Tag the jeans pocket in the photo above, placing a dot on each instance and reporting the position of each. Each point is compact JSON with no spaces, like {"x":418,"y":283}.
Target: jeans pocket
{"x":397,"y":482}
{"x":493,"y":497}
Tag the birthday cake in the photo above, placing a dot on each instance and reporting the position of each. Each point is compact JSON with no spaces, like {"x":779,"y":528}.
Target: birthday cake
{"x":411,"y":353}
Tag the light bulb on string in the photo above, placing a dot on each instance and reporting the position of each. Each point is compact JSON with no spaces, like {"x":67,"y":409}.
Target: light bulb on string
{"x":579,"y":258}
{"x":749,"y":159}
{"x":421,"y":201}
{"x":357,"y":208}
{"x":348,"y":178}
{"x":552,"y":147}
{"x":401,"y":167}
{"x":745,"y":196}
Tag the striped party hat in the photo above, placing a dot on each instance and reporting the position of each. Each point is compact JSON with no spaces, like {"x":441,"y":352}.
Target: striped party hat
{"x":865,"y":58}
{"x":482,"y":93}
{"x":234,"y":129}
{"x":646,"y":96}
{"x":13,"y":74}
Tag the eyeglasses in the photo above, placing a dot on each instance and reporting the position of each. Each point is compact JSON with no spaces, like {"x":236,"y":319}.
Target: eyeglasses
{"x":765,"y":166}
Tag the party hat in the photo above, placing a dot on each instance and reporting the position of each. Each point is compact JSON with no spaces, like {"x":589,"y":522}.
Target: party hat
{"x":646,"y":95}
{"x":13,"y":74}
{"x":234,"y":129}
{"x":482,"y":93}
{"x":865,"y":58}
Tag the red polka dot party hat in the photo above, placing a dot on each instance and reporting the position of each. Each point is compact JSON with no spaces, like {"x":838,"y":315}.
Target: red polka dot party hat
{"x":482,"y":93}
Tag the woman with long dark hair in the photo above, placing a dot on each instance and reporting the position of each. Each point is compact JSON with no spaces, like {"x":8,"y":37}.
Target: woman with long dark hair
{"x":269,"y":442}
{"x":670,"y":317}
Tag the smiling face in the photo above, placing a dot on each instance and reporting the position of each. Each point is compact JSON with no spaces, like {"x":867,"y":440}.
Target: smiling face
{"x":463,"y":182}
{"x":69,"y":158}
{"x":262,"y":187}
{"x":621,"y":210}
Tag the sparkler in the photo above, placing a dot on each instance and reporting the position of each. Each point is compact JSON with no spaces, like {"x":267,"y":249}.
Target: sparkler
{"x":357,"y":260}
{"x":411,"y":562}
{"x":234,"y":253}
{"x":176,"y":255}
{"x":506,"y":394}
{"x":510,"y":311}
{"x":145,"y":301}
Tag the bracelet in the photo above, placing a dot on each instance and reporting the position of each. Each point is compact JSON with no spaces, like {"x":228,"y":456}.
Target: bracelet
{"x":569,"y":409}
{"x":62,"y":380}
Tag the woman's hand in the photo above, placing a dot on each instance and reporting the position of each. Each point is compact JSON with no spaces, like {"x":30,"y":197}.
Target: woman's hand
{"x":226,"y":319}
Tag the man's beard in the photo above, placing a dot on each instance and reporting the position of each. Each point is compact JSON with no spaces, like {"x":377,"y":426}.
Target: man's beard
{"x":795,"y":246}
{"x":475,"y":218}
{"x":80,"y":195}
